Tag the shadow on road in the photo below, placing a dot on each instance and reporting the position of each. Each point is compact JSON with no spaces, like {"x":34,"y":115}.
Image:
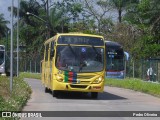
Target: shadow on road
{"x":87,"y":96}
{"x":109,"y":96}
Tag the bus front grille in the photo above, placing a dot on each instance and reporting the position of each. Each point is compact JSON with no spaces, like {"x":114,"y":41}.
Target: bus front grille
{"x":79,"y":86}
{"x":84,"y":77}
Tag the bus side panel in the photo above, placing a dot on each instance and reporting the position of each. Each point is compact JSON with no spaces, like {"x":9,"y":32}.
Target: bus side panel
{"x":43,"y":71}
{"x":115,"y":74}
{"x":46,"y":74}
{"x":53,"y":74}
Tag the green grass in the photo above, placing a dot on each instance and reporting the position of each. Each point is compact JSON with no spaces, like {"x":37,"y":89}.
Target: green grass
{"x":15,"y":100}
{"x":30,"y":75}
{"x":135,"y":84}
{"x":21,"y":92}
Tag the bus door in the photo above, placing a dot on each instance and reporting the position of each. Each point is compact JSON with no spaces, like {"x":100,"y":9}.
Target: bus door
{"x":47,"y":67}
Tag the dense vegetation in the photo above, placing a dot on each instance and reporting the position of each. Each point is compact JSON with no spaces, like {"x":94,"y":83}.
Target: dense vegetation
{"x":136,"y":84}
{"x":20,"y":94}
{"x":136,"y":25}
{"x":30,"y":75}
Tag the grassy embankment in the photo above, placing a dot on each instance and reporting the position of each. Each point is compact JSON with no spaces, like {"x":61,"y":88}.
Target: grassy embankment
{"x":136,"y":84}
{"x":17,"y":99}
{"x":20,"y":94}
{"x":30,"y":75}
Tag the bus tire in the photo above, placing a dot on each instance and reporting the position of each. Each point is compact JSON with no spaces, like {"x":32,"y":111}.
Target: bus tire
{"x":46,"y":90}
{"x":54,"y":93}
{"x":94,"y":95}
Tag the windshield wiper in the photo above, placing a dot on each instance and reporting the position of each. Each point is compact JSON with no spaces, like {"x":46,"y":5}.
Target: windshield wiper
{"x":73,"y":52}
{"x":82,"y":64}
{"x":95,"y":50}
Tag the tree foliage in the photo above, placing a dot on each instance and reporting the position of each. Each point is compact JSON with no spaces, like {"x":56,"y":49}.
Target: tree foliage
{"x":3,"y":26}
{"x":137,"y":27}
{"x":62,"y":13}
{"x":145,"y":16}
{"x":97,"y":10}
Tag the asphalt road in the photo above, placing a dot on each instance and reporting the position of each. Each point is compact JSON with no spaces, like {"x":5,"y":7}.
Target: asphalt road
{"x":112,"y":99}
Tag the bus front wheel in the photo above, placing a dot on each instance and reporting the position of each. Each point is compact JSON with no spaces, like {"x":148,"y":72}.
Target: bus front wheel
{"x":94,"y":95}
{"x":54,"y":93}
{"x":46,"y":90}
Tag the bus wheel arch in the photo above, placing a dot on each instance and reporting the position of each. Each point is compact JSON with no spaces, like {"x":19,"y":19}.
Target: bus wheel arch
{"x":46,"y":90}
{"x":54,"y":93}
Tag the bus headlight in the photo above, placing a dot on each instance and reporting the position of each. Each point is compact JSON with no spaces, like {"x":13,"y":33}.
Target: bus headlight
{"x":2,"y":67}
{"x":98,"y":80}
{"x":59,"y":78}
{"x":60,"y":72}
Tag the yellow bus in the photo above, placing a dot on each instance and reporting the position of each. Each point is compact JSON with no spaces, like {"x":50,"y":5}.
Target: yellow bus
{"x":74,"y":62}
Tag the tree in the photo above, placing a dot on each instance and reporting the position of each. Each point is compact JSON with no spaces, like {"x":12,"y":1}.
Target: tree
{"x":121,"y":5}
{"x":145,"y":16}
{"x":97,"y":10}
{"x":32,"y":31}
{"x":127,"y":35}
{"x":3,"y":26}
{"x":64,"y":12}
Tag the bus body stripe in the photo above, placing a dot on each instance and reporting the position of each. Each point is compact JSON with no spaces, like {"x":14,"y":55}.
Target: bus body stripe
{"x":66,"y":76}
{"x":70,"y":76}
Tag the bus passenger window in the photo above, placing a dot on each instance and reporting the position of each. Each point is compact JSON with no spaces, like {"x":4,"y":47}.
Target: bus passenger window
{"x":52,"y":50}
{"x":46,"y":57}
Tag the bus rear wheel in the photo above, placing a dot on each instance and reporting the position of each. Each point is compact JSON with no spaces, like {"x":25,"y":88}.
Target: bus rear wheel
{"x":94,"y":95}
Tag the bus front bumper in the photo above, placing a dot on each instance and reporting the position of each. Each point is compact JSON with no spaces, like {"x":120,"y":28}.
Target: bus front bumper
{"x":79,"y":87}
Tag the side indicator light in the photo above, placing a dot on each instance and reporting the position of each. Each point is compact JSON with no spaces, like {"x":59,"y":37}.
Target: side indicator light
{"x":96,"y":87}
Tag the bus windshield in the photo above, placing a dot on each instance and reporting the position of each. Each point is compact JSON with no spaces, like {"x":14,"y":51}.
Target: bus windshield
{"x":1,"y":57}
{"x":115,"y":59}
{"x":79,"y":58}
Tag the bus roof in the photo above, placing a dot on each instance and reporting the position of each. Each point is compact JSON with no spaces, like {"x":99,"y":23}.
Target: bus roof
{"x":2,"y":45}
{"x":112,"y":43}
{"x":2,"y":48}
{"x":71,"y":33}
{"x":79,"y":34}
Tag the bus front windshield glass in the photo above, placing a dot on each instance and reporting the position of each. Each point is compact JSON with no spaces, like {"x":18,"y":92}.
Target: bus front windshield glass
{"x":80,"y":58}
{"x":1,"y":57}
{"x":115,"y":59}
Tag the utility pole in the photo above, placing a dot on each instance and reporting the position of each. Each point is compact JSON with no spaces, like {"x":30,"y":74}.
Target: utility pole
{"x":48,"y":27}
{"x":47,"y":8}
{"x":11,"y":51}
{"x":18,"y":40}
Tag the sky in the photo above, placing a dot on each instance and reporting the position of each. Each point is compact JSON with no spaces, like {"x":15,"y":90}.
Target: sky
{"x":4,"y":4}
